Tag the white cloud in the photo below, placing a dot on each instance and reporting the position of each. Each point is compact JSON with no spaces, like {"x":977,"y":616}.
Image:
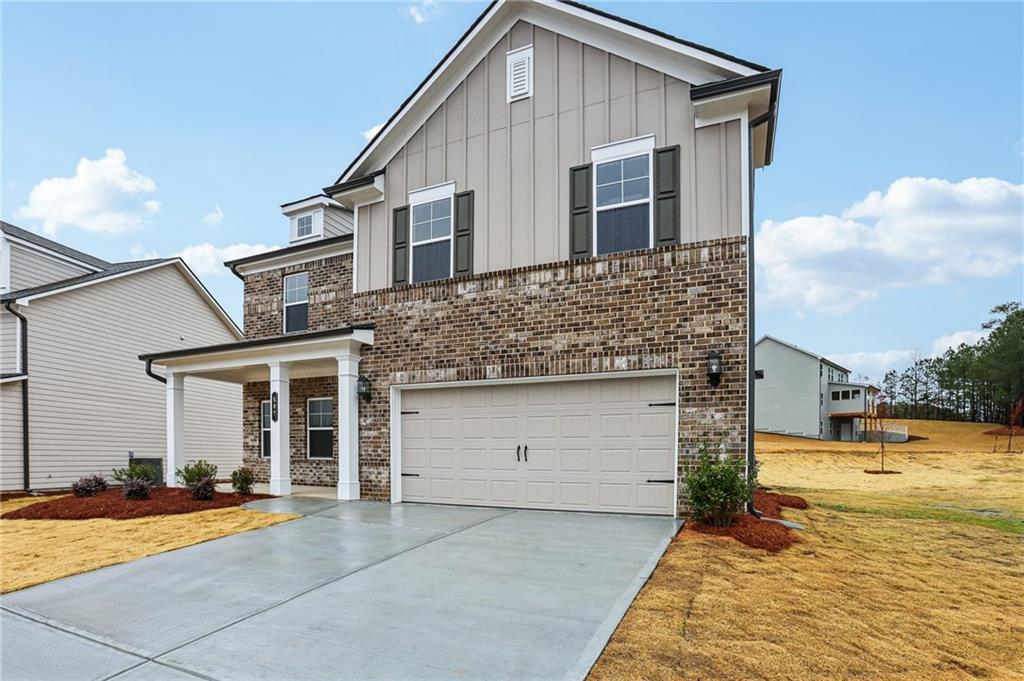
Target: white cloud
{"x":954,"y":340}
{"x":207,"y":259}
{"x":919,"y":231}
{"x":875,"y":364}
{"x":372,"y":132}
{"x":214,"y":217}
{"x":104,"y":195}
{"x":424,"y":11}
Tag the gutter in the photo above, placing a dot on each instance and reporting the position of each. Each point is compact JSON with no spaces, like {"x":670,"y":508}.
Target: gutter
{"x":751,"y":458}
{"x":24,"y":394}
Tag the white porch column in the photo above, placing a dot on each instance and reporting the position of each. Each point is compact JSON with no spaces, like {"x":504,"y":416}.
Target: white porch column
{"x":280,"y":435}
{"x":348,"y":428}
{"x":175,"y":425}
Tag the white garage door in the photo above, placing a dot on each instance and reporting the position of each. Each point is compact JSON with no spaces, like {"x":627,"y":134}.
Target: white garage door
{"x":586,"y":445}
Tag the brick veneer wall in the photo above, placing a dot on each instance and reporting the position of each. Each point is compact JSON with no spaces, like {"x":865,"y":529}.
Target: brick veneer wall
{"x":330,"y":297}
{"x":663,"y":308}
{"x":304,"y":471}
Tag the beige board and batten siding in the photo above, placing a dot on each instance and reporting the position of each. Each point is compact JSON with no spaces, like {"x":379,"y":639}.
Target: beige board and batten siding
{"x":31,"y":268}
{"x":90,"y":400}
{"x":516,"y":157}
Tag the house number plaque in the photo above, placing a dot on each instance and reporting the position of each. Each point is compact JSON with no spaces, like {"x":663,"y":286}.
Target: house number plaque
{"x":273,"y":407}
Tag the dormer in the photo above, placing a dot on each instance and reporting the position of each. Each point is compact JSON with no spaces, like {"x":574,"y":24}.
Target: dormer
{"x":316,"y":217}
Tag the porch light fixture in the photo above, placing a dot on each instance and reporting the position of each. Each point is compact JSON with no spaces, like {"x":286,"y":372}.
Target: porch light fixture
{"x":714,"y":368}
{"x":363,"y":388}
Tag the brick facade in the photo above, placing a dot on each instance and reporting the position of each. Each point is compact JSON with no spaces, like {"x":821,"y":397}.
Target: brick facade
{"x":662,"y":308}
{"x":304,"y":471}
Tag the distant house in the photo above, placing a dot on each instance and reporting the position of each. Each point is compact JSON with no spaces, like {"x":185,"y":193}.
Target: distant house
{"x":71,"y":329}
{"x":797,"y":392}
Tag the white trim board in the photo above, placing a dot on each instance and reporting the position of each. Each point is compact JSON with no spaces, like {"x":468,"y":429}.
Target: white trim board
{"x":395,"y":426}
{"x":274,"y":262}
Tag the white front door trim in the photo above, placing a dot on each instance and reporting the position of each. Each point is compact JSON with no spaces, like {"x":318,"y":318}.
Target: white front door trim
{"x":396,"y":413}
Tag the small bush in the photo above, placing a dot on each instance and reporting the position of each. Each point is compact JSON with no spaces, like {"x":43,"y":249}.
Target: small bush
{"x":200,"y":478}
{"x":137,"y":470}
{"x":717,"y":489}
{"x":136,"y":488}
{"x":242,"y":479}
{"x":89,"y":485}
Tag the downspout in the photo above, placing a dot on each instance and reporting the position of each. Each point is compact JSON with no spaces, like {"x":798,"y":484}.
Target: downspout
{"x":24,"y":393}
{"x":751,"y":459}
{"x":149,"y":372}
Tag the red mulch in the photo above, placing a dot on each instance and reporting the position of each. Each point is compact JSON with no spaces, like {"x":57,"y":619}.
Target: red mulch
{"x":5,"y":496}
{"x":1006,"y":430}
{"x":760,"y":534}
{"x":112,"y":504}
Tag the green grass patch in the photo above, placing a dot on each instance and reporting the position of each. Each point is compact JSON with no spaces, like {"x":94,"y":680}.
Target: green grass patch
{"x":949,"y":515}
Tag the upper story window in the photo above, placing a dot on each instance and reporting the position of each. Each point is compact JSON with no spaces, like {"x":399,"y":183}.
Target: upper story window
{"x":623,"y":210}
{"x":519,"y":73}
{"x":296,"y":302}
{"x":303,"y":226}
{"x":430,"y":229}
{"x":307,"y":225}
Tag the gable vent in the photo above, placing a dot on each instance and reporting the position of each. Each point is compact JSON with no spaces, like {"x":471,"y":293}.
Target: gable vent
{"x":519,"y":73}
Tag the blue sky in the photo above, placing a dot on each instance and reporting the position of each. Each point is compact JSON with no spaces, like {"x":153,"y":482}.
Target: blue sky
{"x":222,"y":112}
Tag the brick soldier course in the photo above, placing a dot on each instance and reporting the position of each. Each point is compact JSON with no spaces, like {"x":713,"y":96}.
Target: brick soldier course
{"x":654,"y":309}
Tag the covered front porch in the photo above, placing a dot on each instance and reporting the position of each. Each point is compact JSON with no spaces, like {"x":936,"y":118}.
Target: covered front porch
{"x":276,"y":361}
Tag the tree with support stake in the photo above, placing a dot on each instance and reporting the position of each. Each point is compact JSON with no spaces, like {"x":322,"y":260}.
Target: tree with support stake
{"x":880,"y":417}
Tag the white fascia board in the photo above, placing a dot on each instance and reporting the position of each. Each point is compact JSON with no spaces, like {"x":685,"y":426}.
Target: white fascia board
{"x":177,"y":262}
{"x":285,"y":260}
{"x":362,"y":195}
{"x":52,"y":254}
{"x":680,"y":61}
{"x":306,"y":205}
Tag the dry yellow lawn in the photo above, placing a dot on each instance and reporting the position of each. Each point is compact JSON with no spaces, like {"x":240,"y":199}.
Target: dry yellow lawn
{"x":37,"y":551}
{"x":910,"y":576}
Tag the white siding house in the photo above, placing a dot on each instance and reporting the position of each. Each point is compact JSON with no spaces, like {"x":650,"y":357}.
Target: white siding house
{"x":90,"y":400}
{"x":797,"y":392}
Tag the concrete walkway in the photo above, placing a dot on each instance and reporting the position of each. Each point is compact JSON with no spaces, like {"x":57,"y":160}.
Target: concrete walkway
{"x":356,"y":590}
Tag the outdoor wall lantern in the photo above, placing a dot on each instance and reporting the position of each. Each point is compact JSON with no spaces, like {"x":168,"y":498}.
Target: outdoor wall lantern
{"x":363,"y":388}
{"x":714,"y":368}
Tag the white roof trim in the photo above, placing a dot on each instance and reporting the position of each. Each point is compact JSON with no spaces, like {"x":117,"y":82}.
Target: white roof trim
{"x":51,"y":253}
{"x":177,"y":262}
{"x":683,"y":62}
{"x":287,"y":259}
{"x":290,"y":209}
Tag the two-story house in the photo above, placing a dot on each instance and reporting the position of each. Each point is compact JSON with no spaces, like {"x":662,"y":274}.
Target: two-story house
{"x":798,"y":392}
{"x":529,"y":289}
{"x":72,"y":398}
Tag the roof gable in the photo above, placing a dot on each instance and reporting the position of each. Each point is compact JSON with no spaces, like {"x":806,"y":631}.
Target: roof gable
{"x":659,"y":51}
{"x":18,"y":234}
{"x":797,"y":348}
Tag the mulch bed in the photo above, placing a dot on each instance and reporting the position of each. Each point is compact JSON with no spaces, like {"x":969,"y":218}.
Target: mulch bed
{"x":112,"y":504}
{"x":760,"y":534}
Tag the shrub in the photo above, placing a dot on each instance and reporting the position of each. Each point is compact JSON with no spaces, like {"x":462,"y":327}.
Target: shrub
{"x":200,"y":478}
{"x":136,"y":488}
{"x":89,"y":485}
{"x":137,"y":470}
{"x":717,"y":488}
{"x":242,"y":479}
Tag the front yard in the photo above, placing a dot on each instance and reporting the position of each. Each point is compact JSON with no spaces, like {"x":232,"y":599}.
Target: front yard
{"x":916,"y":575}
{"x":37,"y":551}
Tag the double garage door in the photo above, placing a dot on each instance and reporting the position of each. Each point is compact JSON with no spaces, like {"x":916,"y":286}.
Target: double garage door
{"x":581,"y":445}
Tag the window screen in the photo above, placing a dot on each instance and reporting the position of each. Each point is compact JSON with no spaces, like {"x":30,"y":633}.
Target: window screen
{"x":320,"y":415}
{"x":623,"y":204}
{"x":296,"y":302}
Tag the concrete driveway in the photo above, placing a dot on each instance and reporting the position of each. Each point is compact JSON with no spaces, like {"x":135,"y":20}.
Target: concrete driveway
{"x":356,"y":590}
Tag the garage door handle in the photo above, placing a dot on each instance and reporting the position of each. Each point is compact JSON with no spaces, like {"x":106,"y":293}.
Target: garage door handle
{"x":526,"y":453}
{"x":665,"y":482}
{"x":518,"y":447}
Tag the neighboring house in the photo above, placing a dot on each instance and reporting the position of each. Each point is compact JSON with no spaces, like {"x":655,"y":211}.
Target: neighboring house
{"x":71,"y":329}
{"x":800,"y":393}
{"x":548,"y":257}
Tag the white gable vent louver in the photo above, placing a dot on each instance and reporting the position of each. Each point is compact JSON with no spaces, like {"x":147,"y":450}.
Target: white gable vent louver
{"x":519,"y":73}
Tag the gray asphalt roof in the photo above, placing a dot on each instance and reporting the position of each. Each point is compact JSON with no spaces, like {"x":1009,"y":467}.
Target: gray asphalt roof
{"x":54,"y":246}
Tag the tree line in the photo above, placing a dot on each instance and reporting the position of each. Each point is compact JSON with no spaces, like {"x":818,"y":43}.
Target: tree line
{"x":979,"y":382}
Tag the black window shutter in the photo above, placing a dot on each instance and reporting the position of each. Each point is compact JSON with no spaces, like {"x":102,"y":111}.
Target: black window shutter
{"x":580,"y":210}
{"x":400,"y":249}
{"x":464,"y":234}
{"x":666,"y":196}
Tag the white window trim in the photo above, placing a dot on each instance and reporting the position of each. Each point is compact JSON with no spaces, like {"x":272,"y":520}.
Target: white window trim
{"x":263,"y":455}
{"x":510,"y":58}
{"x":616,"y":151}
{"x":309,"y":428}
{"x":286,"y":304}
{"x":430,"y":194}
{"x":318,"y":226}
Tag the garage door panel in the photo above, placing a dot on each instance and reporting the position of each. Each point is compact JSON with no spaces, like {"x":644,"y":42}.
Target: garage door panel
{"x":594,"y":445}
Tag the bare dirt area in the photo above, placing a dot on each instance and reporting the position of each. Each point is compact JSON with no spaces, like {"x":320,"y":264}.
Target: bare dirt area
{"x":111,"y":504}
{"x":908,"y":576}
